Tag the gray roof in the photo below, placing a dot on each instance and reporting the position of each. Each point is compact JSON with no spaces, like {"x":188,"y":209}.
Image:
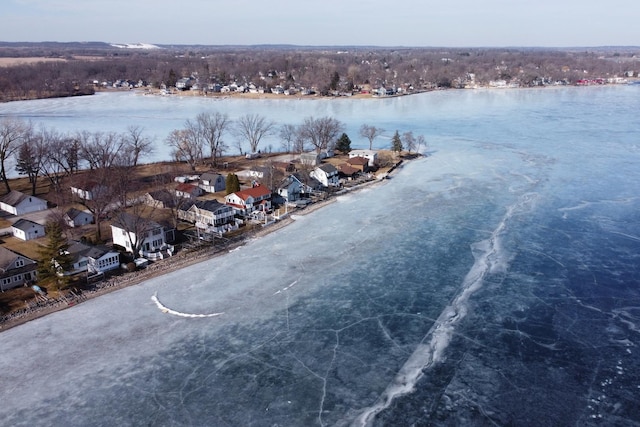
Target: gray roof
{"x":210,"y":176}
{"x":7,"y":258}
{"x":13,"y":198}
{"x":328,"y":168}
{"x":73,"y":213}
{"x":164,"y":196}
{"x":78,"y":249}
{"x":209,"y":205}
{"x":24,"y":224}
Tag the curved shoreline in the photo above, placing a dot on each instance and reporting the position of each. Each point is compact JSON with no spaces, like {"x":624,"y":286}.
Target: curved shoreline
{"x":182,"y":260}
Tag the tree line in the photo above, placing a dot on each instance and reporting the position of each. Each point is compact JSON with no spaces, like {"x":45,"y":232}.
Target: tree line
{"x":326,"y":69}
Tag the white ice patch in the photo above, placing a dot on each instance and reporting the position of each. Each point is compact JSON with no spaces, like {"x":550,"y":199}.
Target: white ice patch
{"x":167,"y":310}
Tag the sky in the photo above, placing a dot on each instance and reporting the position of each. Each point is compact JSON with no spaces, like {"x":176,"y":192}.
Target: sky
{"x":460,"y":23}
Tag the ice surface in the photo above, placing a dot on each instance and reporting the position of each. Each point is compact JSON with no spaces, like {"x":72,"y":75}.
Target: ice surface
{"x":492,"y":283}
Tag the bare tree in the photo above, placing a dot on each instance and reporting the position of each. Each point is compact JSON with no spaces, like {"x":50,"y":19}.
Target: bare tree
{"x":370,"y":132}
{"x":321,"y":133}
{"x":101,"y":194}
{"x":252,"y":128}
{"x":212,"y":127}
{"x":420,"y":141}
{"x":136,"y":145}
{"x":288,"y":134}
{"x":409,"y":141}
{"x":61,"y":159}
{"x":186,"y":147}
{"x":101,"y":150}
{"x":12,"y":132}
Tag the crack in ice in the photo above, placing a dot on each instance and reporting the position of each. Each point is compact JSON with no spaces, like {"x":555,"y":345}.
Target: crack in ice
{"x":488,"y":260}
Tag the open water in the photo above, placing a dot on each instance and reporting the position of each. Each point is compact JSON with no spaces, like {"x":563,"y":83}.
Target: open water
{"x":493,"y":282}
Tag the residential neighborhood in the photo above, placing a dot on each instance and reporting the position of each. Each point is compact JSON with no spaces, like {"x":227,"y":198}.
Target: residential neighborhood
{"x":188,"y":213}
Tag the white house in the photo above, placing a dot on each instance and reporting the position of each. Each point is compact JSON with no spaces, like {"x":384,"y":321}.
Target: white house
{"x":327,"y":174}
{"x":251,"y":199}
{"x":15,"y":269}
{"x":24,"y":229}
{"x":209,"y":216}
{"x":88,"y":189}
{"x":77,"y":218}
{"x":292,"y":188}
{"x":212,"y":182}
{"x":92,"y":259}
{"x":18,"y":203}
{"x":131,"y":231}
{"x":370,"y":155}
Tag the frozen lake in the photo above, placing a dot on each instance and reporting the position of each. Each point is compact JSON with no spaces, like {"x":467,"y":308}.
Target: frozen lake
{"x":494,"y":282}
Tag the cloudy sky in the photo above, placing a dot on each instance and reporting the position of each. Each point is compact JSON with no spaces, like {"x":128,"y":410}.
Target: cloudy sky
{"x":462,"y":23}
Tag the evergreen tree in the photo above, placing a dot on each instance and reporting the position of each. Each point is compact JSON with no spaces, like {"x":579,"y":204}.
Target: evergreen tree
{"x":232,"y":183}
{"x":396,"y":143}
{"x":54,"y":257}
{"x":335,"y":80}
{"x":344,"y":144}
{"x":173,"y":78}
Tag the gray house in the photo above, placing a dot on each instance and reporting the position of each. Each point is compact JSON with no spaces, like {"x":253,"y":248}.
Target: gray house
{"x":212,"y":182}
{"x":24,"y":229}
{"x":15,"y":269}
{"x":77,"y":218}
{"x":18,"y":203}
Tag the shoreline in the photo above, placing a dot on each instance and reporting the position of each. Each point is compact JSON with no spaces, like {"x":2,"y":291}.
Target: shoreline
{"x":182,"y":260}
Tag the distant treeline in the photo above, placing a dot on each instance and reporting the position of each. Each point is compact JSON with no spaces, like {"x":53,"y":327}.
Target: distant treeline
{"x":339,"y":69}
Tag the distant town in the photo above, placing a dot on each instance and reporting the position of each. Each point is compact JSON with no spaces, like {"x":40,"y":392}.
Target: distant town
{"x":40,"y":70}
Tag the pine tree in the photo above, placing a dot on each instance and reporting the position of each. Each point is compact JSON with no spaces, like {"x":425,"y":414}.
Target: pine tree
{"x":54,"y":257}
{"x":232,"y":183}
{"x":344,"y":144}
{"x":396,"y":143}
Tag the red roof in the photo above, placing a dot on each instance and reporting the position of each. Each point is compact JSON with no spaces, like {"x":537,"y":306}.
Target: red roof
{"x":255,"y":192}
{"x":186,"y":187}
{"x":358,"y":161}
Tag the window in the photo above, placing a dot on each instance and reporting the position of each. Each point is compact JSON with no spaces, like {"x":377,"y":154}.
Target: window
{"x":20,"y":263}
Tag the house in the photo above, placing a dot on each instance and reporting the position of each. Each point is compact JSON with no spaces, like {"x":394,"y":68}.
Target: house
{"x":209,"y":216}
{"x":88,"y":189}
{"x":292,"y":188}
{"x":251,"y":199}
{"x":188,"y":191}
{"x":160,"y":199}
{"x":15,"y":269}
{"x":359,"y":163}
{"x":370,"y":155}
{"x":18,"y":203}
{"x":310,"y":159}
{"x":91,"y":259}
{"x":130,"y":231}
{"x":212,"y":182}
{"x":327,"y":174}
{"x":25,"y":229}
{"x":185,"y":83}
{"x":77,"y":218}
{"x":345,"y":171}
